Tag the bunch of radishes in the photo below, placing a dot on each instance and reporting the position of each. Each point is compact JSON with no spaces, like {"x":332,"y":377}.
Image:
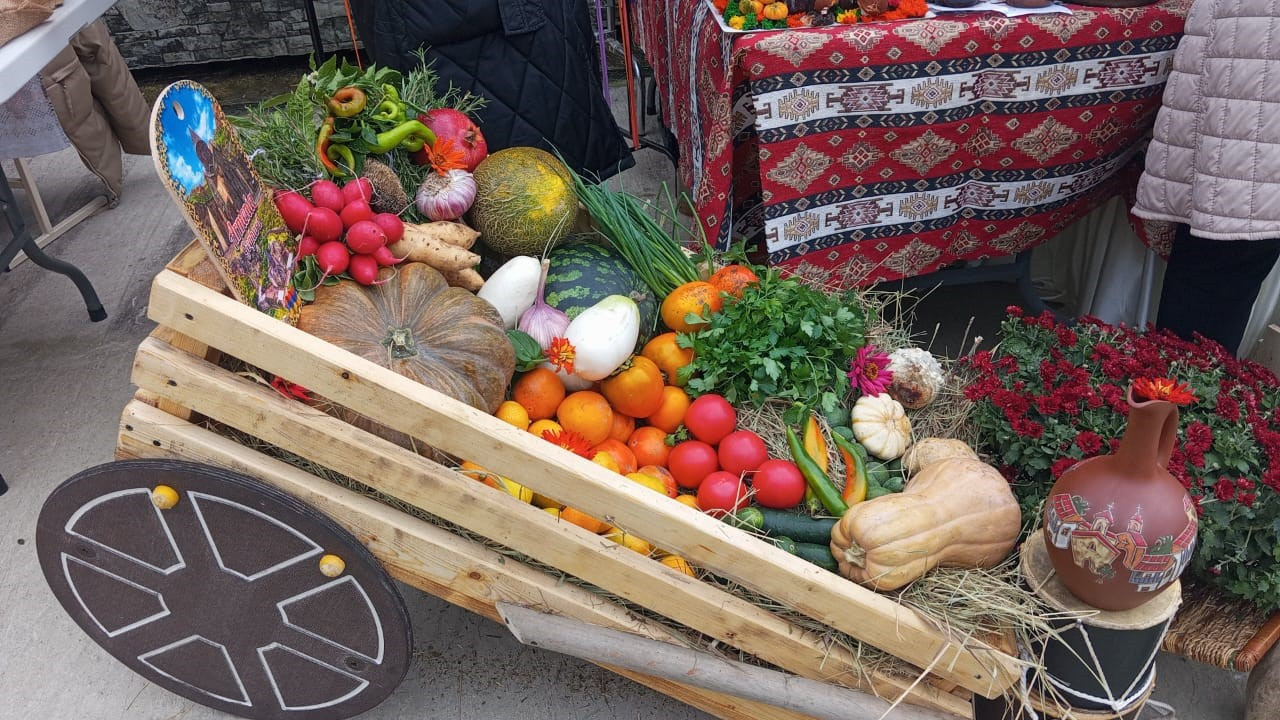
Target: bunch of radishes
{"x":340,"y":229}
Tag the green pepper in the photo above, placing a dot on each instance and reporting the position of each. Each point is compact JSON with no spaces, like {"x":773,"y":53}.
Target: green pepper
{"x":855,"y":468}
{"x":347,"y":102}
{"x":413,"y":143}
{"x":815,"y":478}
{"x":322,"y":147}
{"x":391,"y":92}
{"x":391,"y":139}
{"x":389,"y":111}
{"x":343,"y":158}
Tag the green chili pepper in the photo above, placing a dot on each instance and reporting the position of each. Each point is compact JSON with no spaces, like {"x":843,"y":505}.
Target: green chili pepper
{"x":815,"y":478}
{"x":391,"y":139}
{"x":347,"y":102}
{"x":389,"y":111}
{"x":343,"y":158}
{"x":856,"y":481}
{"x":322,"y":147}
{"x":391,"y":92}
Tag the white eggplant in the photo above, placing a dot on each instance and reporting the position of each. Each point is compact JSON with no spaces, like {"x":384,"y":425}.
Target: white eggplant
{"x":512,"y":288}
{"x":604,"y":336}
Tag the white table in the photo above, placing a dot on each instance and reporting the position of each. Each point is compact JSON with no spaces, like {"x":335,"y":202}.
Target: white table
{"x":20,"y":60}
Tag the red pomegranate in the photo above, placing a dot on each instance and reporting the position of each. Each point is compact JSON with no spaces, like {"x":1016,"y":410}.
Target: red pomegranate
{"x":455,"y":126}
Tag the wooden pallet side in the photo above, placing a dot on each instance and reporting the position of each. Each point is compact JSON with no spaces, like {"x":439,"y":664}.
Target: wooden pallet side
{"x":193,"y":263}
{"x":301,"y":429}
{"x":464,"y":431}
{"x":420,"y":554}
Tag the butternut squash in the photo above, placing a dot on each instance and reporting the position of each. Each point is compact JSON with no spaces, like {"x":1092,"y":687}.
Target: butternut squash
{"x":923,"y":453}
{"x":958,"y":512}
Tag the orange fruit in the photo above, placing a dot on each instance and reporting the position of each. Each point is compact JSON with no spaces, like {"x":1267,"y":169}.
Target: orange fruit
{"x":587,"y":413}
{"x":513,"y":413}
{"x":675,"y":402}
{"x":663,"y":476}
{"x":623,"y":426}
{"x":622,"y":455}
{"x":629,"y":541}
{"x":540,"y":426}
{"x":648,"y":481}
{"x":649,"y":446}
{"x":732,"y":279}
{"x":679,"y":564}
{"x":475,"y":472}
{"x":604,"y":459}
{"x":668,"y":356}
{"x":583,"y":520}
{"x":698,"y":298}
{"x":540,"y":391}
{"x":690,"y":500}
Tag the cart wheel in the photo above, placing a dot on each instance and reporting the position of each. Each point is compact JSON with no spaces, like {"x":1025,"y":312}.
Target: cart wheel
{"x":235,"y":595}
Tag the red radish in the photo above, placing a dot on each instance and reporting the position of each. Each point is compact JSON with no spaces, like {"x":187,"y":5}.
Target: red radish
{"x":385,"y":257}
{"x":455,"y":127}
{"x":294,"y":209}
{"x":365,"y":237}
{"x":391,"y":225}
{"x":363,"y":269}
{"x":326,"y":193}
{"x":358,"y":189}
{"x":307,"y":246}
{"x":324,"y":224}
{"x":333,"y":258}
{"x":354,"y":212}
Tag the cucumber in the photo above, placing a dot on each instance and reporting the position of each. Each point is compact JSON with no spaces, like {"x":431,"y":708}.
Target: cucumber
{"x":801,"y":528}
{"x":750,"y":519}
{"x":786,"y":543}
{"x":819,"y":555}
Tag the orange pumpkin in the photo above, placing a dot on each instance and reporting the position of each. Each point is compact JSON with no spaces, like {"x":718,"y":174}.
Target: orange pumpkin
{"x":750,"y":7}
{"x":775,"y":11}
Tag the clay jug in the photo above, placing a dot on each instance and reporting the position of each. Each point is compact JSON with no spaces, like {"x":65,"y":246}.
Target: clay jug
{"x":1119,"y":528}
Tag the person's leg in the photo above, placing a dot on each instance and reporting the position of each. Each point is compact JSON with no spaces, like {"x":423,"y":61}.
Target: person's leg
{"x":1210,"y":285}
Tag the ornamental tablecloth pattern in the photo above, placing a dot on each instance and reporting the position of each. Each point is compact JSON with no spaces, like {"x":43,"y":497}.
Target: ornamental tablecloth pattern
{"x":879,"y":151}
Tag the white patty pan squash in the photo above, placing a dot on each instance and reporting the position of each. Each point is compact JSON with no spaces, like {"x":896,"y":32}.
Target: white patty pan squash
{"x":880,"y":423}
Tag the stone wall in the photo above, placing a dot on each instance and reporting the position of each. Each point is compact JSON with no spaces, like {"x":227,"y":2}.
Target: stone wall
{"x":158,"y":33}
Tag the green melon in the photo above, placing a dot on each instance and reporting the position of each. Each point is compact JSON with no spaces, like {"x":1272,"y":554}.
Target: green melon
{"x":524,"y":201}
{"x":583,"y":272}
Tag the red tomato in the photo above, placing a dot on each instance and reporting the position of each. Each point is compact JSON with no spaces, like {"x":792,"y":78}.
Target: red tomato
{"x":722,"y":493}
{"x":710,"y":418}
{"x":691,"y":461}
{"x":778,"y":484}
{"x":742,"y":451}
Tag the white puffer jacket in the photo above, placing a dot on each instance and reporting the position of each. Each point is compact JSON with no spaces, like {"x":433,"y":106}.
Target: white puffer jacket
{"x":1214,"y":162}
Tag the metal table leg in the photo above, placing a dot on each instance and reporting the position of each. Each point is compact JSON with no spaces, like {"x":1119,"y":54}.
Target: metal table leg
{"x":24,"y":242}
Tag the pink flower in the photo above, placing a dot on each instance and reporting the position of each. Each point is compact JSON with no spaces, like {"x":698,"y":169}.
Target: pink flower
{"x":869,"y":371}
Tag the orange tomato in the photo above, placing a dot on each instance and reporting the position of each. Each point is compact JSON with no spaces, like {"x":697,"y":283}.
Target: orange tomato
{"x":697,"y":297}
{"x":675,"y":402}
{"x":540,"y":391}
{"x":664,"y":476}
{"x":668,"y":356}
{"x":542,"y":426}
{"x":623,"y":426}
{"x":475,"y":472}
{"x":584,"y":521}
{"x":649,"y":445}
{"x":637,"y":389}
{"x":690,"y":500}
{"x":587,"y":413}
{"x":622,"y":455}
{"x":732,"y":279}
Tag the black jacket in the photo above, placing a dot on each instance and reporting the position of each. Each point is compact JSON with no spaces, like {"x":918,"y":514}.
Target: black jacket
{"x":535,"y":61}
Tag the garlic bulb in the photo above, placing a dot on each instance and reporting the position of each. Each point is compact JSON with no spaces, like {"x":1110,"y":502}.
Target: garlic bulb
{"x":917,"y":377}
{"x":541,"y":321}
{"x":447,"y":196}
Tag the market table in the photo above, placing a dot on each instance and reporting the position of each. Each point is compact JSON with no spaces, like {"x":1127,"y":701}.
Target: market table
{"x":880,"y":151}
{"x":20,"y":60}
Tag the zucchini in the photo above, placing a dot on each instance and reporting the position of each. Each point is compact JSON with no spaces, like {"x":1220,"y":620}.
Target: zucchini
{"x":786,"y":543}
{"x":819,"y":555}
{"x":749,"y":519}
{"x":801,"y":528}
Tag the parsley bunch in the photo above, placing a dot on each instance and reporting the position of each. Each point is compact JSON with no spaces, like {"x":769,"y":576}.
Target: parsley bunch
{"x":783,"y":339}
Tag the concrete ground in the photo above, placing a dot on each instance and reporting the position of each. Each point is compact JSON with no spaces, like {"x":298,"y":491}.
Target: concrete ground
{"x":63,"y":383}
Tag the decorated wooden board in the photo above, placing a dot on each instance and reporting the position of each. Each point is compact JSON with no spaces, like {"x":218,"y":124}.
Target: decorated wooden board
{"x":230,"y":597}
{"x":207,"y":172}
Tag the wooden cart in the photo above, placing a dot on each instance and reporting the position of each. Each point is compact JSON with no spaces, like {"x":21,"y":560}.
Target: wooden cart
{"x":178,"y":378}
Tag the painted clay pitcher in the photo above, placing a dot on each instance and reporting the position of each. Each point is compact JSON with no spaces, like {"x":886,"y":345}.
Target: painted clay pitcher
{"x":1119,"y":528}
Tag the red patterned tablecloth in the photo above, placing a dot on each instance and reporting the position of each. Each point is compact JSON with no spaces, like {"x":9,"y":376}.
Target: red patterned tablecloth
{"x":887,"y":150}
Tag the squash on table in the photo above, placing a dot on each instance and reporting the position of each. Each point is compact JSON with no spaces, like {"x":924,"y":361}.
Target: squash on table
{"x":775,"y":11}
{"x":415,"y":324}
{"x":928,"y":451}
{"x":880,"y":424}
{"x":958,"y":512}
{"x":750,"y":7}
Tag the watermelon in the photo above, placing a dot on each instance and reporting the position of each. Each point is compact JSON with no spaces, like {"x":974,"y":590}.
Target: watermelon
{"x":584,"y":272}
{"x":525,"y":201}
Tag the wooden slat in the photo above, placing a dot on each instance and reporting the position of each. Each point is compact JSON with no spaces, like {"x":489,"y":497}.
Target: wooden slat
{"x":192,"y":263}
{"x":400,"y":473}
{"x":420,"y":554}
{"x":461,"y":430}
